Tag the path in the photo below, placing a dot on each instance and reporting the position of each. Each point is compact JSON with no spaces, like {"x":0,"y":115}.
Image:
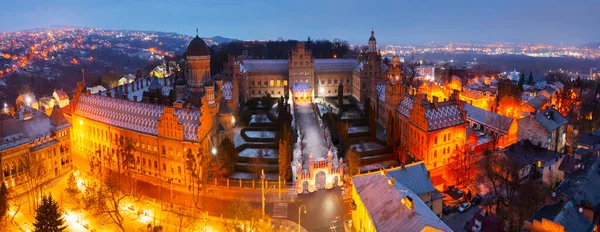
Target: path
{"x":313,"y":141}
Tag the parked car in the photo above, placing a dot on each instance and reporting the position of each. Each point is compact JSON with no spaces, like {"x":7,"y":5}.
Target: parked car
{"x":476,"y":200}
{"x":449,"y":209}
{"x":464,"y":207}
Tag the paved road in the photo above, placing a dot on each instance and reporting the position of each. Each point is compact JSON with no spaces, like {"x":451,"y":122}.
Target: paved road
{"x":313,"y":141}
{"x":322,"y":208}
{"x":456,"y":221}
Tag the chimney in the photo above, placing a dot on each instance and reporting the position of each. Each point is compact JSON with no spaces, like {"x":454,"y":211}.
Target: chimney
{"x":435,"y":102}
{"x":135,"y":98}
{"x":392,"y":182}
{"x":408,"y":202}
{"x":126,"y":89}
{"x":134,"y":88}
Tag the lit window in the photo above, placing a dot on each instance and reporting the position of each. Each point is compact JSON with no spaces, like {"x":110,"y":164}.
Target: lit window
{"x":284,"y":83}
{"x":278,"y":83}
{"x":271,"y":83}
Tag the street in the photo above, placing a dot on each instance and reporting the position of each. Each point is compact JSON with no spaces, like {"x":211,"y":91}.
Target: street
{"x":456,"y":221}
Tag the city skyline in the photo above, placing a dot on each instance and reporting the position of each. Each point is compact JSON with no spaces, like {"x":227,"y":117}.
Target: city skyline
{"x":393,"y":22}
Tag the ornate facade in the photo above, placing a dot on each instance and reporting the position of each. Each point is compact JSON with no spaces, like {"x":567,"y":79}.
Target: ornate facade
{"x":164,"y":119}
{"x":34,"y":147}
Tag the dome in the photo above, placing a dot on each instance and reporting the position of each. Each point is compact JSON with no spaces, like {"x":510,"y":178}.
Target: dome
{"x":218,"y":77}
{"x":180,"y":81}
{"x":209,"y":83}
{"x":198,"y":47}
{"x":372,"y":36}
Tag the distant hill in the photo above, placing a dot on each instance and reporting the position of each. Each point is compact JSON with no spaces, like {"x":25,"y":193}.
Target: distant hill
{"x":592,"y":45}
{"x":221,"y":40}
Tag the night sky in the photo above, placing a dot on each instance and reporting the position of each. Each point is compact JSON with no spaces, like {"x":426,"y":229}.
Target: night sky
{"x":573,"y":22}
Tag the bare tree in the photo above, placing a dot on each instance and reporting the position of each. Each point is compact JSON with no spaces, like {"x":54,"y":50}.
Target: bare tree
{"x":241,"y":213}
{"x":460,"y":168}
{"x":353,"y":160}
{"x":106,"y":200}
{"x":35,"y":174}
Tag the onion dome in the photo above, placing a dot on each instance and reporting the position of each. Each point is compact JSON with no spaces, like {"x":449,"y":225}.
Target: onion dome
{"x":198,"y":47}
{"x":180,"y":81}
{"x":372,"y":36}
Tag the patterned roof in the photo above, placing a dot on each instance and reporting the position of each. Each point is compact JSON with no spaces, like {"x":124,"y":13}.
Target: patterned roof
{"x":265,"y":65}
{"x":447,"y":114}
{"x":335,"y":65}
{"x":135,"y":116}
{"x":381,"y":91}
{"x":538,"y":101}
{"x":488,"y":118}
{"x":227,"y":90}
{"x":383,"y":203}
{"x":301,"y":87}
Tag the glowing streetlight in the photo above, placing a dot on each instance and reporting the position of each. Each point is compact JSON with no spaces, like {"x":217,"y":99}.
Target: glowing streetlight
{"x":299,"y":211}
{"x":232,"y":120}
{"x":213,"y":151}
{"x":28,"y":100}
{"x":80,"y":122}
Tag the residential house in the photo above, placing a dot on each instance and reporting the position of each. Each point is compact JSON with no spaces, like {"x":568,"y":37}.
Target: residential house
{"x":546,"y":128}
{"x":416,"y":178}
{"x":61,"y":97}
{"x":380,"y":203}
{"x":532,"y":161}
{"x":497,"y":127}
{"x":482,"y":222}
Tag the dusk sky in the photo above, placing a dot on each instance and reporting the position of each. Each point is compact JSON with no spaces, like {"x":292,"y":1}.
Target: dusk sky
{"x":395,"y":22}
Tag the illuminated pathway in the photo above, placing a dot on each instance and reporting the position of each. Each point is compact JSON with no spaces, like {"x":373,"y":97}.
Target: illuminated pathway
{"x":313,"y":140}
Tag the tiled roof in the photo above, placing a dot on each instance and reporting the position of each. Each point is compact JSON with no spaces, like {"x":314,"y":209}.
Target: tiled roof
{"x":448,"y":114}
{"x":266,"y":65}
{"x":38,"y":128}
{"x":335,"y":65}
{"x":488,"y":118}
{"x":61,"y":94}
{"x":301,"y":87}
{"x":415,"y":177}
{"x":405,"y":105}
{"x":550,"y":119}
{"x":57,"y":119}
{"x":538,"y":101}
{"x":135,"y":116}
{"x":583,"y":185}
{"x":227,"y":90}
{"x":572,"y":219}
{"x":384,"y":205}
{"x":381,"y":91}
{"x":525,"y":153}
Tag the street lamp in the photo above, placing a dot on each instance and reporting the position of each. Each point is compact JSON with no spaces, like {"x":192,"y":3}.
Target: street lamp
{"x":213,"y":151}
{"x":299,"y":214}
{"x":322,"y":91}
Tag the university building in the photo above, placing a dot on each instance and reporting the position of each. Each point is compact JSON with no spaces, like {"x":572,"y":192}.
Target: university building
{"x":163,"y":118}
{"x":34,"y":147}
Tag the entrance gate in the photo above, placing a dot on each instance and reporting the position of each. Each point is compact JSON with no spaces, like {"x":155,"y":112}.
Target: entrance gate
{"x":320,"y":175}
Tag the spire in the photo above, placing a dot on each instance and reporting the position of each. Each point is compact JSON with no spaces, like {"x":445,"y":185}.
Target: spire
{"x":196,"y":32}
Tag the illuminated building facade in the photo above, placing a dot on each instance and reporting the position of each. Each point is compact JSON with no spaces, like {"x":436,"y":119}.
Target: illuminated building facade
{"x":302,"y":75}
{"x":430,"y":131}
{"x":33,"y":140}
{"x":163,"y":118}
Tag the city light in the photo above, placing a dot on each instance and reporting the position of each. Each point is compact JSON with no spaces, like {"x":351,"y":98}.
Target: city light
{"x":213,"y":151}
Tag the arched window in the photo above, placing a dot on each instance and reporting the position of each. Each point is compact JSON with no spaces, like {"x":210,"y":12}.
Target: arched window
{"x":178,"y":169}
{"x":164,"y":167}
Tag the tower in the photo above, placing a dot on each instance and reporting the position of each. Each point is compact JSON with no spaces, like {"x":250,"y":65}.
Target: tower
{"x":372,"y":43}
{"x":198,"y":58}
{"x":301,"y":71}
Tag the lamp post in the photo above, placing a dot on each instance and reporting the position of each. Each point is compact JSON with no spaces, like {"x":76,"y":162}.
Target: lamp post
{"x":299,"y":214}
{"x":262,"y":184}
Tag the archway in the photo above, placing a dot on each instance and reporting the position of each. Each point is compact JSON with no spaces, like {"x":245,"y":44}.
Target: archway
{"x":305,"y":186}
{"x":320,"y":180}
{"x":335,"y":180}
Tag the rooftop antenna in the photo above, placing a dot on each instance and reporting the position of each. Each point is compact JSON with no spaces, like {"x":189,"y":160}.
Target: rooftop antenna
{"x":83,"y":75}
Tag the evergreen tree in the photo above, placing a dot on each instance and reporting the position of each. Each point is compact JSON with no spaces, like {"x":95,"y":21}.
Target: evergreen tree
{"x":48,"y":216}
{"x":72,"y":183}
{"x":521,"y":81}
{"x":530,"y":81}
{"x":3,"y":201}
